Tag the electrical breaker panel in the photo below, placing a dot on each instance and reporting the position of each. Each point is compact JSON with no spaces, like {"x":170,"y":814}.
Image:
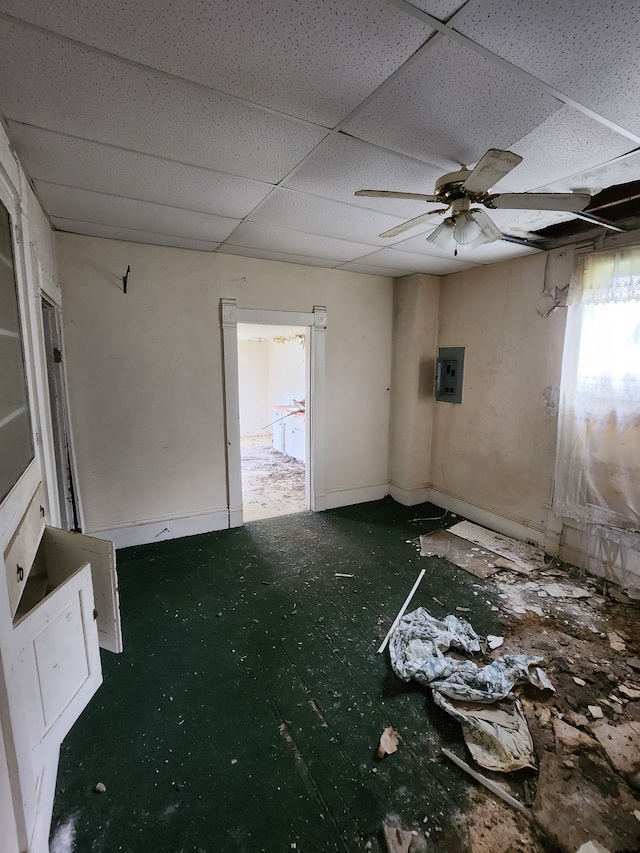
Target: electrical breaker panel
{"x":449,"y":372}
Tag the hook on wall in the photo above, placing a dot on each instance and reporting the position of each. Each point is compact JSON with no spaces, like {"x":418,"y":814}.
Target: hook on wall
{"x":125,"y":279}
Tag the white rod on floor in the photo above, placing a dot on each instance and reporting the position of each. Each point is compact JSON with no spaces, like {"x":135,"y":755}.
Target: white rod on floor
{"x":401,"y":613}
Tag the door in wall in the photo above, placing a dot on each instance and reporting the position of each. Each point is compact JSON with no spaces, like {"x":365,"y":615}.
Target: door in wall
{"x":273,"y":407}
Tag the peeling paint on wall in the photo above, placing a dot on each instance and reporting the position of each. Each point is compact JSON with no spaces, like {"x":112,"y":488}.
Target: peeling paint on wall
{"x":551,"y":396}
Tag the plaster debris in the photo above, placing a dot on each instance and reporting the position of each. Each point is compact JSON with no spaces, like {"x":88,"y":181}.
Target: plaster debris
{"x":572,"y":738}
{"x":526,"y":557}
{"x":629,"y":691}
{"x":100,"y":788}
{"x":389,"y":741}
{"x":397,"y":840}
{"x":593,"y":847}
{"x":616,"y":642}
{"x":456,"y":550}
{"x":622,"y":746}
{"x":494,"y":642}
{"x":595,"y":711}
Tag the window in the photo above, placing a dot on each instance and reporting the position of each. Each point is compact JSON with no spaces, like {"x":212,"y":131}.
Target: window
{"x":598,"y":454}
{"x":16,"y":444}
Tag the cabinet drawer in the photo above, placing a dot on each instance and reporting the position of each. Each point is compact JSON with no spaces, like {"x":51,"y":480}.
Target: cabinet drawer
{"x":21,"y":551}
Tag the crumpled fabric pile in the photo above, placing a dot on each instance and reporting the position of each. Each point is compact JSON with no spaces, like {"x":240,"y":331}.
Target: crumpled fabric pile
{"x":417,"y":648}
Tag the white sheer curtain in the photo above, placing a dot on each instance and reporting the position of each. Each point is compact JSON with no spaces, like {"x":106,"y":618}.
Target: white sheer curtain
{"x":597,"y":477}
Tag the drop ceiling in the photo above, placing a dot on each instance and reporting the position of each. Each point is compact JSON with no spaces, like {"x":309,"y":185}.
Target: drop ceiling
{"x":246,"y":126}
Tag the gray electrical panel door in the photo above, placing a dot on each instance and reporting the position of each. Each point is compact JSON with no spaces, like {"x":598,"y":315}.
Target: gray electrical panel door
{"x":449,"y":373}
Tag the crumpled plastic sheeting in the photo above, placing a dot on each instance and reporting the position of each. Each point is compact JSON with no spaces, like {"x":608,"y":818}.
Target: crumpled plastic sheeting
{"x":493,"y":744}
{"x":416,"y":649}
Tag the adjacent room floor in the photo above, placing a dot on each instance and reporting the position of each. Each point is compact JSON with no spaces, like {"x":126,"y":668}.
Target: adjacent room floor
{"x":245,"y":712}
{"x":272,"y":482}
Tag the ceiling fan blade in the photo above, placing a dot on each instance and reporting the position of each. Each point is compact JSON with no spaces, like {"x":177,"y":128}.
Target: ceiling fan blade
{"x":570,"y":202}
{"x":410,"y":223}
{"x":493,"y":166}
{"x":388,"y":194}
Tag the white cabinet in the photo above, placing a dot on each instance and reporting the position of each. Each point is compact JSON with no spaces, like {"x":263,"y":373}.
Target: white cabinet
{"x":67,"y":606}
{"x":289,"y":431}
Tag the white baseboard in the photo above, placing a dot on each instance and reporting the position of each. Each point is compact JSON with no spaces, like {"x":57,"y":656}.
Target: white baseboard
{"x":546,"y":539}
{"x":145,"y":532}
{"x":347,"y":497}
{"x":409,"y":497}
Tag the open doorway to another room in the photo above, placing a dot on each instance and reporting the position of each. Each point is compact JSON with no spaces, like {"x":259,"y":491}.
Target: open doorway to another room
{"x":273,"y":378}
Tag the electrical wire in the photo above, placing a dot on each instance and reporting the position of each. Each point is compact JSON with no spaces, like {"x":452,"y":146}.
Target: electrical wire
{"x":431,"y":518}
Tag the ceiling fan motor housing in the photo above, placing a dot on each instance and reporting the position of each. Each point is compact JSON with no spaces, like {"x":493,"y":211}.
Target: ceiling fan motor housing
{"x":450,"y":188}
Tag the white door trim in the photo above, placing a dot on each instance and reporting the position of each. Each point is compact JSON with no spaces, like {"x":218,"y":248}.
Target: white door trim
{"x":316,"y":320}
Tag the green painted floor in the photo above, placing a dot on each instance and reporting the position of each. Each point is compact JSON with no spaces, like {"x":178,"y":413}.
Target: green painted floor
{"x":246,"y":709}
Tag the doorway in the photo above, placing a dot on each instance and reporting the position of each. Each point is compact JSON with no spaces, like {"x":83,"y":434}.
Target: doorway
{"x":65,"y":483}
{"x":273,"y":389}
{"x":311,"y":327}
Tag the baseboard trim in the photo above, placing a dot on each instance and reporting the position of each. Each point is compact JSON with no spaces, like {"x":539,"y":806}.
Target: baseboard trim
{"x":409,"y":497}
{"x":144,"y":532}
{"x":545,"y":539}
{"x":347,"y":497}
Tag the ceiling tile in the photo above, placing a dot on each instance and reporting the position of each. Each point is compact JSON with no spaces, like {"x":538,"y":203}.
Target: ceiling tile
{"x":490,"y":253}
{"x":127,"y":213}
{"x":75,"y":90}
{"x":566,"y":143}
{"x":621,"y":171}
{"x":410,"y":262}
{"x":314,"y":215}
{"x":449,"y":106}
{"x":340,"y":165}
{"x":268,"y":255}
{"x":62,"y":159}
{"x":257,"y":235}
{"x":583,"y":48}
{"x":522,"y":222}
{"x":131,"y":235}
{"x":440,"y":9}
{"x":313,"y":60}
{"x":371,"y":270}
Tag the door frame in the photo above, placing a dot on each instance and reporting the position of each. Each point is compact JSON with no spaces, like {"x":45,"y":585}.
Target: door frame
{"x":316,"y":321}
{"x":66,"y":478}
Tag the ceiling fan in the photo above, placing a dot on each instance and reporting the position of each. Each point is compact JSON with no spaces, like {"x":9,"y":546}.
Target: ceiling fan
{"x":458,"y":191}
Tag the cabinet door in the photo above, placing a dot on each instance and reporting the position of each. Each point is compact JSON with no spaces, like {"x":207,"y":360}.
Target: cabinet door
{"x":65,"y":552}
{"x":57,"y":667}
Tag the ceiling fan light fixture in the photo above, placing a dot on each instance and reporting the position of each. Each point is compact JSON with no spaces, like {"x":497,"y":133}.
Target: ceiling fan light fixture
{"x":466,"y":229}
{"x":441,"y":235}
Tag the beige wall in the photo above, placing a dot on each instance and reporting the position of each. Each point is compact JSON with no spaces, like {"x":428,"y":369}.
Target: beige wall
{"x":253,"y":374}
{"x":496,"y":450}
{"x":145,"y":373}
{"x":415,"y":328}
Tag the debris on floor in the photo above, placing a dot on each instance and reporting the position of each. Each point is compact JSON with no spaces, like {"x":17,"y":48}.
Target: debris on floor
{"x":578,"y":746}
{"x":526,"y":556}
{"x":458,"y":551}
{"x":397,"y":840}
{"x":498,"y":738}
{"x":389,"y":740}
{"x":416,"y":649}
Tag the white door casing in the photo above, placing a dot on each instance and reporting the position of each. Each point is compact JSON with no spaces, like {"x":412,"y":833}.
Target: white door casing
{"x":316,"y":321}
